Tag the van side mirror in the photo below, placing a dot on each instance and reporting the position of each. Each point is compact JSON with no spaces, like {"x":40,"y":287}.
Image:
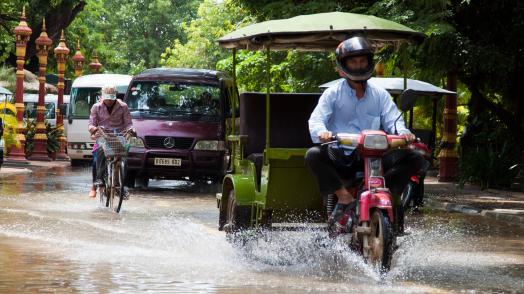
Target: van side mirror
{"x":63,"y":109}
{"x":408,"y":98}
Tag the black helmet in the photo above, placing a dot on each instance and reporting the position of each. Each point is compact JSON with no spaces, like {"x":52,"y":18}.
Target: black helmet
{"x":355,"y":46}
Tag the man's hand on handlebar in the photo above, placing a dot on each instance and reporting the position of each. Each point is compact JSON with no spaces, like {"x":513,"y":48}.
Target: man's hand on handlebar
{"x":410,"y":137}
{"x":93,"y":131}
{"x":325,"y":136}
{"x":131,"y":132}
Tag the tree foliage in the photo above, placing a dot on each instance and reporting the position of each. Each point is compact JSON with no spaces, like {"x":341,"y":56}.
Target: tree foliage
{"x":130,"y":35}
{"x":201,"y":49}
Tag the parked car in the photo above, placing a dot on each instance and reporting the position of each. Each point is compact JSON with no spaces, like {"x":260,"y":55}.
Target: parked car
{"x":180,"y":118}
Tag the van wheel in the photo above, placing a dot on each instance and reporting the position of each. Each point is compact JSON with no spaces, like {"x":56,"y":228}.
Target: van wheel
{"x":130,"y":179}
{"x":142,"y":182}
{"x":76,"y":162}
{"x":237,"y":217}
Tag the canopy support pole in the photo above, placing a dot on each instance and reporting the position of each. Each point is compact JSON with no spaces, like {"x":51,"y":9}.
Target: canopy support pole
{"x":234,"y":95}
{"x":268,"y":109}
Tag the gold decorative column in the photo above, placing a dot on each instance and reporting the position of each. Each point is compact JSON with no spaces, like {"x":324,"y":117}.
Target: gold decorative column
{"x":448,"y":155}
{"x":379,"y":69}
{"x":61,"y":52}
{"x":23,"y":33}
{"x":95,"y":65}
{"x":78,"y":60}
{"x":43,"y":45}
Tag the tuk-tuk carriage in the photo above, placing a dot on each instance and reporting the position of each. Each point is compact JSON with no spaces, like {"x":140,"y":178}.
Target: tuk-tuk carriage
{"x":268,"y":184}
{"x":7,"y":110}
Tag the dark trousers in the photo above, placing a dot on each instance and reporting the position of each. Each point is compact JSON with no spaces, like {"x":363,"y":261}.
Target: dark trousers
{"x":329,"y":174}
{"x":93,"y":166}
{"x":101,"y":164}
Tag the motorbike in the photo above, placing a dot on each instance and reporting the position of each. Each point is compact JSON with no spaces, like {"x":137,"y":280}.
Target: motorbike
{"x":372,"y":227}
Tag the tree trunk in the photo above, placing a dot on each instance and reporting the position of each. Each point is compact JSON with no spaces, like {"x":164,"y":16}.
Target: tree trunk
{"x":56,"y":21}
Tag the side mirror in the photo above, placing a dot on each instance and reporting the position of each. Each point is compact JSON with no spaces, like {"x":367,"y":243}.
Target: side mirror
{"x":407,"y":99}
{"x":63,"y":109}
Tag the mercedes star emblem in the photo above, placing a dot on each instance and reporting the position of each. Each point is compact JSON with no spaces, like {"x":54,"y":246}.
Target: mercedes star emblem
{"x":169,"y":142}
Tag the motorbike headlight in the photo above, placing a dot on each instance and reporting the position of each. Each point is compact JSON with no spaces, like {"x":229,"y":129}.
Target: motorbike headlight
{"x":377,"y":142}
{"x":213,"y":145}
{"x":136,"y":142}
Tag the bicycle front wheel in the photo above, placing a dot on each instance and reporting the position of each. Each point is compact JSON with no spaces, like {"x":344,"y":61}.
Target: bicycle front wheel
{"x":117,"y":189}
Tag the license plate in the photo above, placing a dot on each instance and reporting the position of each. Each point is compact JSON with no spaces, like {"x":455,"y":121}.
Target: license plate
{"x":168,"y":161}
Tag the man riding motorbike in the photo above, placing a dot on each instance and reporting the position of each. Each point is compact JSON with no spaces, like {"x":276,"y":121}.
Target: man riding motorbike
{"x":110,"y":114}
{"x":350,"y":106}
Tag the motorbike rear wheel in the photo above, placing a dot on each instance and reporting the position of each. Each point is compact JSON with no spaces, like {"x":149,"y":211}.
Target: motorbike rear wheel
{"x":379,"y":249}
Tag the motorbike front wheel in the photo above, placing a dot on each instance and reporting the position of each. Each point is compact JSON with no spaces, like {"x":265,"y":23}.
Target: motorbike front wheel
{"x":378,"y":250}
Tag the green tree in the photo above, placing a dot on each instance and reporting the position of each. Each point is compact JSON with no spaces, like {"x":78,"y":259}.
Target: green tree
{"x":293,"y":71}
{"x":130,"y":35}
{"x":201,"y":49}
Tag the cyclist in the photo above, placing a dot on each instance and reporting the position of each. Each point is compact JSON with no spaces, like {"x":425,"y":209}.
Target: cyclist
{"x":109,"y":113}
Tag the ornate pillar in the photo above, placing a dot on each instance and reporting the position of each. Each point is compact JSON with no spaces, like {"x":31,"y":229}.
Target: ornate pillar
{"x":95,"y":65}
{"x":43,"y":43}
{"x":448,"y":155}
{"x":379,"y":69}
{"x":61,"y":52}
{"x":22,"y":32}
{"x":78,"y":60}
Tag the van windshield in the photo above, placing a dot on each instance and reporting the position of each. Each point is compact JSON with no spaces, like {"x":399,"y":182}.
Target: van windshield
{"x":30,"y":110}
{"x":174,"y":100}
{"x":82,"y":99}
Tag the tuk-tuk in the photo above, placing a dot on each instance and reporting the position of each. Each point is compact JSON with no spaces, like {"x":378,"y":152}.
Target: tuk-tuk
{"x":268,"y":184}
{"x":7,"y":109}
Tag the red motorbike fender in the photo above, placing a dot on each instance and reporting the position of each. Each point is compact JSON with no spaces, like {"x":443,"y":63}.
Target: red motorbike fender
{"x":370,"y":200}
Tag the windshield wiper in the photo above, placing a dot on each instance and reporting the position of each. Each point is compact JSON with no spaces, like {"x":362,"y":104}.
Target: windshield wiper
{"x":148,"y":110}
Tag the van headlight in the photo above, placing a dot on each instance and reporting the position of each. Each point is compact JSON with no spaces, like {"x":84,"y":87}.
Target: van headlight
{"x":377,"y":142}
{"x":136,"y":142}
{"x":213,"y":145}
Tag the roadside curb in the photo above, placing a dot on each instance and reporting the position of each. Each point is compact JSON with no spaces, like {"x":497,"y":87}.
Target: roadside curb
{"x":12,"y":168}
{"x":12,"y":171}
{"x":453,"y":207}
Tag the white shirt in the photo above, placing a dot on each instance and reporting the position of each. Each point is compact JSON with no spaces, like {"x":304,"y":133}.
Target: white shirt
{"x":340,"y":111}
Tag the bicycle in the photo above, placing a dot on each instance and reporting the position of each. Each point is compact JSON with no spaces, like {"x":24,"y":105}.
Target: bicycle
{"x":115,"y":147}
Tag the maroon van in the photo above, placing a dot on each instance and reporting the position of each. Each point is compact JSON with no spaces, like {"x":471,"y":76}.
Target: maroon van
{"x":179,"y":115}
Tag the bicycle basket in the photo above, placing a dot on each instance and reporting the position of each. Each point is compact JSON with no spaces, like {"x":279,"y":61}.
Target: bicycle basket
{"x":113,"y":145}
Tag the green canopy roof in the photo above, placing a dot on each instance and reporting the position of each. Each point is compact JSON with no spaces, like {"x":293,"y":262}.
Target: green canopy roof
{"x":317,"y":32}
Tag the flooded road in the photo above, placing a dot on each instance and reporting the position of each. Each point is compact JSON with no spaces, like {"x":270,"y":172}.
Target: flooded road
{"x":53,"y":238}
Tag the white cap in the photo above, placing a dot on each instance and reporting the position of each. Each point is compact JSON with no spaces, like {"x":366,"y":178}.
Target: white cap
{"x":109,"y":92}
